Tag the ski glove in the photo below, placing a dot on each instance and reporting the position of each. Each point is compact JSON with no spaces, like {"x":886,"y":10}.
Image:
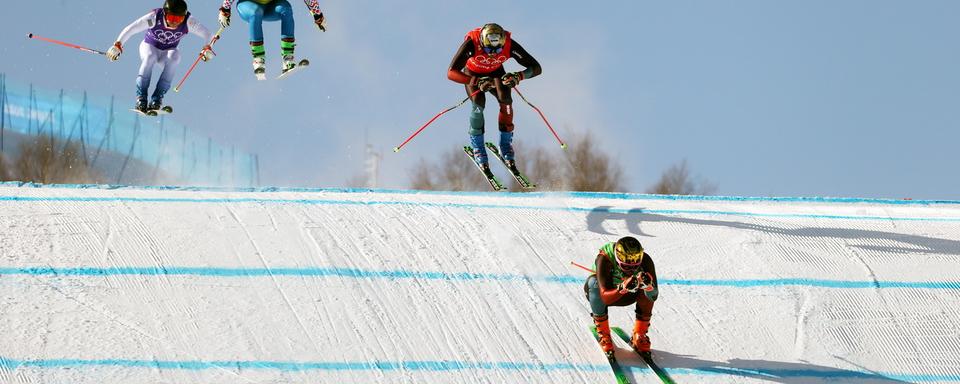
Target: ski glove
{"x":646,"y":285}
{"x":512,"y":79}
{"x":224,"y":17}
{"x":113,"y":54}
{"x":629,"y":285}
{"x":320,"y":22}
{"x":207,"y":53}
{"x":485,"y":84}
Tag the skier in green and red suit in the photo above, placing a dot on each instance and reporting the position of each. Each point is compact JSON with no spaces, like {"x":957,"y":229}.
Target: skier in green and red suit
{"x":625,"y":275}
{"x":478,"y":64}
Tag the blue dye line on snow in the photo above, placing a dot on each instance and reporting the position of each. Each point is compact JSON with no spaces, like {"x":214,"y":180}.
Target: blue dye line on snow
{"x":632,"y":211}
{"x":434,"y":366}
{"x":462,"y":276}
{"x":450,"y":365}
{"x":588,"y":195}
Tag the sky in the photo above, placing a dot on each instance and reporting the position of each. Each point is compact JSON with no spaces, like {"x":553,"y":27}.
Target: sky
{"x":854,"y":98}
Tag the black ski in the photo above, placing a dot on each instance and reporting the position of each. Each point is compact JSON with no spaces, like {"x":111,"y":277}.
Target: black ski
{"x":614,"y":364}
{"x":164,"y":110}
{"x":494,"y":183}
{"x":646,"y":356}
{"x":144,"y":113}
{"x":521,"y":178}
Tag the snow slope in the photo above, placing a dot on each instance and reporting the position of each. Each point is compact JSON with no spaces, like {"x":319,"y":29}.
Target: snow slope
{"x":169,"y":285}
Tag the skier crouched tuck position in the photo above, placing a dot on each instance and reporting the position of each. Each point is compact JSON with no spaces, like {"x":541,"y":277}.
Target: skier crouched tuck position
{"x":255,"y":12}
{"x":164,"y":27}
{"x":624,"y":275}
{"x":478,"y":64}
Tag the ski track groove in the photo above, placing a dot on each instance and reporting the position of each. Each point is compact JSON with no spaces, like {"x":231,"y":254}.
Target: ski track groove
{"x":864,"y":323}
{"x":276,"y":283}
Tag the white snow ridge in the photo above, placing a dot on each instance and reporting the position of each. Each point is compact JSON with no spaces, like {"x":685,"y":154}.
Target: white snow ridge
{"x":168,"y":285}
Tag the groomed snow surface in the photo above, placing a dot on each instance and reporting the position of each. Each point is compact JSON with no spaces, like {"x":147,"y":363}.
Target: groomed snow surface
{"x":167,"y":285}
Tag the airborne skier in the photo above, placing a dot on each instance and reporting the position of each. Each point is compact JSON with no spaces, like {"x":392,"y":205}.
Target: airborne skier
{"x":478,"y":64}
{"x":164,"y":27}
{"x":255,"y":12}
{"x":625,"y":275}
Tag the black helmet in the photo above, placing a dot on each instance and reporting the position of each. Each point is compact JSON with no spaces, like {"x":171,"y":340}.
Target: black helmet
{"x":175,"y":7}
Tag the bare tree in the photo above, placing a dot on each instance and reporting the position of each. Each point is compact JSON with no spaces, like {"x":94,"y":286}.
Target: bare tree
{"x":589,"y":169}
{"x":541,"y":166}
{"x":454,"y":172}
{"x":584,"y":167}
{"x":42,"y":160}
{"x":421,"y":177}
{"x":6,"y":169}
{"x":677,"y":180}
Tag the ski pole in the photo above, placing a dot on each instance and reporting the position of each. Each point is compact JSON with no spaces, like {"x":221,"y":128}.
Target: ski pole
{"x":584,"y":268}
{"x":562,"y":144}
{"x":85,"y":49}
{"x":397,"y":148}
{"x":197,"y":61}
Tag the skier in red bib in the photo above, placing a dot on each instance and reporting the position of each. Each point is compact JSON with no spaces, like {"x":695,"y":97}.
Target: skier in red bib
{"x":478,"y":64}
{"x":625,"y":275}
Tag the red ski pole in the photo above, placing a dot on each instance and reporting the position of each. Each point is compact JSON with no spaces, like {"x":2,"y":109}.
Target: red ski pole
{"x":562,"y":144}
{"x":584,"y":268}
{"x":85,"y":49}
{"x":197,"y":61}
{"x":397,"y":148}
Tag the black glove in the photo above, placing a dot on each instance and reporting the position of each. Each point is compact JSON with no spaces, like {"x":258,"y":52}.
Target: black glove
{"x":512,"y":79}
{"x":485,"y":84}
{"x":647,"y":280}
{"x":320,"y":22}
{"x":629,"y":285}
{"x":224,"y":17}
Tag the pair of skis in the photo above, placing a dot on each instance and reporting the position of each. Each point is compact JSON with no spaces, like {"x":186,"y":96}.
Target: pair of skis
{"x":164,"y":110}
{"x":491,"y":178}
{"x":618,"y":371}
{"x":261,"y":73}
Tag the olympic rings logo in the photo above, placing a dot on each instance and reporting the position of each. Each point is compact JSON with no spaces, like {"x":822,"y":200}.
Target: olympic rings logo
{"x":167,"y":37}
{"x":487,"y":60}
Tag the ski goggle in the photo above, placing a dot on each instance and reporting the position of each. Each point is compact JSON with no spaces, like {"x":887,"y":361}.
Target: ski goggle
{"x":638,"y":256}
{"x":491,"y":51}
{"x":174,"y":19}
{"x":629,"y":266}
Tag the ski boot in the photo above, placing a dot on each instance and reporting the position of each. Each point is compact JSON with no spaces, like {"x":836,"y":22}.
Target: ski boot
{"x":260,"y":68}
{"x":511,"y":165}
{"x":603,"y":329}
{"x":289,"y":63}
{"x":506,"y":150}
{"x":141,"y":105}
{"x":640,"y":341}
{"x":480,"y":154}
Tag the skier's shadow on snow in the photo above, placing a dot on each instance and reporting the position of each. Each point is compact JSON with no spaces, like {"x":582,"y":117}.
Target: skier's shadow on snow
{"x":771,"y":371}
{"x":917,"y":243}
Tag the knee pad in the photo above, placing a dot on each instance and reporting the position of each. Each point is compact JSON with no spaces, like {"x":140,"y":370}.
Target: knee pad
{"x":505,"y":119}
{"x":476,"y":121}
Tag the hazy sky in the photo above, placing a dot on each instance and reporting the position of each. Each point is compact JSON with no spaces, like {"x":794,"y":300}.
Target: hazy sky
{"x":828,"y":98}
